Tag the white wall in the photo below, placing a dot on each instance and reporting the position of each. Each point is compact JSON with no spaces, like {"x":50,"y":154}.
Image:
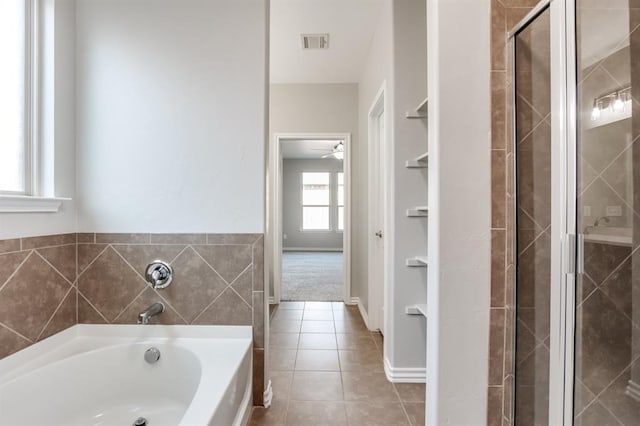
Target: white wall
{"x":459,"y":215}
{"x":376,"y":70}
{"x":326,"y":108}
{"x":405,"y":350}
{"x":57,"y":128}
{"x":293,"y":236}
{"x":170,"y":124}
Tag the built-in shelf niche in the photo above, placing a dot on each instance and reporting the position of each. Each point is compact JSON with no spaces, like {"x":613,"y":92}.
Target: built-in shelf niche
{"x":420,"y":111}
{"x":419,"y":211}
{"x":420,"y":309}
{"x":418,"y":261}
{"x":420,"y":162}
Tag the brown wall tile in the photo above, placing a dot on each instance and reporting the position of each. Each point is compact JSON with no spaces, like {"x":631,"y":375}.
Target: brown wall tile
{"x":7,"y":246}
{"x":123,"y":238}
{"x":48,"y":241}
{"x":178,"y":238}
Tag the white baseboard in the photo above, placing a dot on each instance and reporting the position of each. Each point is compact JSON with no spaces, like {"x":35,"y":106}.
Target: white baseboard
{"x":311,"y":249}
{"x":363,"y":312}
{"x":268,"y":395}
{"x":633,"y":390}
{"x":404,"y":375}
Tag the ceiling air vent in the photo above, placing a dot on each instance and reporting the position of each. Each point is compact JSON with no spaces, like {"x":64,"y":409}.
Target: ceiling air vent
{"x":315,"y":41}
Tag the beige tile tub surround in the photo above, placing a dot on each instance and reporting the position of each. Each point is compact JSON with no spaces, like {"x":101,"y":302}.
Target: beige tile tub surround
{"x":50,"y":283}
{"x":37,"y":289}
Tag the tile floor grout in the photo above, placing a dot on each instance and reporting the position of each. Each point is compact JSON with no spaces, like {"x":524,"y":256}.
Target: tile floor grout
{"x":349,"y":357}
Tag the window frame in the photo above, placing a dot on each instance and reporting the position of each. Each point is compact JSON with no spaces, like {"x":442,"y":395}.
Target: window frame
{"x":39,"y":194}
{"x":338,"y":205}
{"x":32,"y":104}
{"x":303,"y":205}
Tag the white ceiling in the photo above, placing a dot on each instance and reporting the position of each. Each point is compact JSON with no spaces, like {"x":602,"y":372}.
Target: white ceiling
{"x":306,"y":149}
{"x":351,"y":25}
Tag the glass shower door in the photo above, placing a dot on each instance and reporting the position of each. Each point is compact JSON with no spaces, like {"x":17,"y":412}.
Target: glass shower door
{"x":607,"y":298}
{"x":533,"y":219}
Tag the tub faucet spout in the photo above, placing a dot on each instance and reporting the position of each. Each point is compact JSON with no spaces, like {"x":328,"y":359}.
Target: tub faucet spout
{"x":153,"y":310}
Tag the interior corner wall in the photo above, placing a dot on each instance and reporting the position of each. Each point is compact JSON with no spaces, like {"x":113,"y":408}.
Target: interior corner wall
{"x":58,"y":128}
{"x":327,"y":108}
{"x":377,"y":70}
{"x":294,"y":238}
{"x":458,"y":299}
{"x":408,"y":286}
{"x":171,"y":115}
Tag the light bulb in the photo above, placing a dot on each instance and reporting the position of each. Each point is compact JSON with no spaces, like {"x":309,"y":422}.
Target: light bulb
{"x":618,"y":105}
{"x":595,"y":113}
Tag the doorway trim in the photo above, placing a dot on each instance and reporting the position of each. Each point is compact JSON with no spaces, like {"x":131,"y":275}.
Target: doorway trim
{"x":276,"y":206}
{"x":377,"y":295}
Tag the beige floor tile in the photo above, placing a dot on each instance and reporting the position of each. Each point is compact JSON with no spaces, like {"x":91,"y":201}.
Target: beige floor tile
{"x":281,"y":384}
{"x":285,"y":326}
{"x":272,"y":416}
{"x":316,"y":386}
{"x":284,"y":340}
{"x":288,"y":314}
{"x":318,"y":341}
{"x":416,"y":413}
{"x":372,"y":387}
{"x":310,"y":315}
{"x":376,"y":414}
{"x":318,"y":306}
{"x":348,"y":315}
{"x":282,"y":359}
{"x":316,"y":413}
{"x":318,"y":327}
{"x":411,"y":392}
{"x":317,"y":360}
{"x":361,"y":360}
{"x":291,"y":305}
{"x":350,"y":327}
{"x":351,"y":341}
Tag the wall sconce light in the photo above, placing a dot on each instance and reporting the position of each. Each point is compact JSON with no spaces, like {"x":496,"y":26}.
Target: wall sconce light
{"x":615,"y":101}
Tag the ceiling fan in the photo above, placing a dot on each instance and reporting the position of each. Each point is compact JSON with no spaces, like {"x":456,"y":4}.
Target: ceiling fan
{"x":337,"y":151}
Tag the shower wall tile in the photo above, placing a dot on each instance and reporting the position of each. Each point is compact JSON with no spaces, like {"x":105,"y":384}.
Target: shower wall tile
{"x":504,"y":15}
{"x":49,"y":283}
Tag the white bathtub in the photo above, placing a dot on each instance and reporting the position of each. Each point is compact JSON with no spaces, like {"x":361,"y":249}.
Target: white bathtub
{"x":97,"y":375}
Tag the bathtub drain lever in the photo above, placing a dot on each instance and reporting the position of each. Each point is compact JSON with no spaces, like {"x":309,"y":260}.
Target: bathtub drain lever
{"x":140,"y":421}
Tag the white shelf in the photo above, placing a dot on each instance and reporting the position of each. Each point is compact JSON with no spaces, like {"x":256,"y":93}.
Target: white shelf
{"x":420,"y":211}
{"x":419,"y":162}
{"x":417,"y":261}
{"x":420,"y":111}
{"x":420,"y":309}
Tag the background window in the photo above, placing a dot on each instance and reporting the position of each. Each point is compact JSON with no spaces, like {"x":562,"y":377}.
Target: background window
{"x":340,"y":201}
{"x":316,"y":201}
{"x":14,"y":96}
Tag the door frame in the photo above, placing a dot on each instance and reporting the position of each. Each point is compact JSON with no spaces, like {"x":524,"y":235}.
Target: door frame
{"x":275,"y":207}
{"x":377,"y":287}
{"x":565,"y":256}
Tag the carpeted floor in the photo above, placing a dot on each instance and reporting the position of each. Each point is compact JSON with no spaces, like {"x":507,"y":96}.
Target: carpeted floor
{"x":312,"y":276}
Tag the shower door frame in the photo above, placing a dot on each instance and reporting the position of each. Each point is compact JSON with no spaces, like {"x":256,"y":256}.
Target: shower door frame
{"x":565,"y":259}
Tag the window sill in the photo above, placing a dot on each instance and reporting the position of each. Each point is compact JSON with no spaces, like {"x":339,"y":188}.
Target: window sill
{"x":28,"y":204}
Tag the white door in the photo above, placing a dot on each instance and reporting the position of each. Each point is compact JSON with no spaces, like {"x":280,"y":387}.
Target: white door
{"x":377,"y":229}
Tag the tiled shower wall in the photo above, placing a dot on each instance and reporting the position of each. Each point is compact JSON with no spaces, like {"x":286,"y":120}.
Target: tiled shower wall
{"x":505,"y":14}
{"x":48,"y":284}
